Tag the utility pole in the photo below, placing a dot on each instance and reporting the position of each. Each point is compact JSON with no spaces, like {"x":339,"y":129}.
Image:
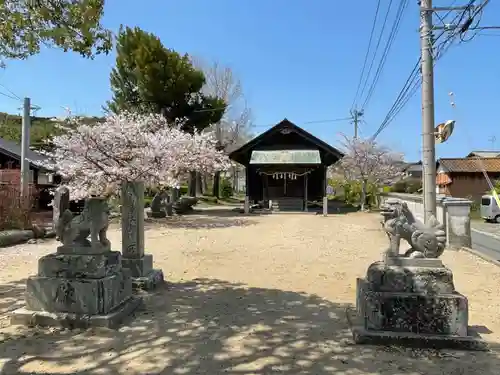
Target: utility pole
{"x":428,"y":145}
{"x":25,"y":144}
{"x":492,"y":140}
{"x":355,"y":120}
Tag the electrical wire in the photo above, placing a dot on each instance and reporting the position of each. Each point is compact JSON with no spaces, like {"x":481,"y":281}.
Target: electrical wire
{"x":11,"y":92}
{"x":366,"y":55}
{"x":376,"y":48}
{"x":392,"y":36}
{"x":413,"y":81}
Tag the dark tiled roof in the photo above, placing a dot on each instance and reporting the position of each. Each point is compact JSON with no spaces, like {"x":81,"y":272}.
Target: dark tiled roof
{"x":13,"y":150}
{"x":484,"y":154}
{"x":470,"y":165}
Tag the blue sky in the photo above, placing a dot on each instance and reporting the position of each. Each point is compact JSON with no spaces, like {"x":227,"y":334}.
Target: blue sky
{"x":296,"y":59}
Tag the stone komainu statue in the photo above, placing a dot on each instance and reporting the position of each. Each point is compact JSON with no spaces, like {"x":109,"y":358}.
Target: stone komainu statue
{"x":426,"y":241}
{"x":74,"y":230}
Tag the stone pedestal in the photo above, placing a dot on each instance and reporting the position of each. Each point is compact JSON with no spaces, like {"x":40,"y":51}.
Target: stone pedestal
{"x":458,"y":222}
{"x":414,"y":302}
{"x":78,"y":291}
{"x":83,"y":284}
{"x":134,"y":259}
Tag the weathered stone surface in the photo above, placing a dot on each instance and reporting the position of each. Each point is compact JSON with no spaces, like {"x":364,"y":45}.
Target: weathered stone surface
{"x":60,"y":205}
{"x":425,"y":240}
{"x":184,"y":204}
{"x":68,"y":320}
{"x":410,"y":305}
{"x":13,"y":237}
{"x":431,"y":280}
{"x":413,"y":262}
{"x":78,"y":296}
{"x":132,"y":220}
{"x":361,"y":335}
{"x":93,"y":221}
{"x":80,"y":266}
{"x":79,"y":250}
{"x":150,"y":281}
{"x":139,"y":266}
{"x":413,"y":312}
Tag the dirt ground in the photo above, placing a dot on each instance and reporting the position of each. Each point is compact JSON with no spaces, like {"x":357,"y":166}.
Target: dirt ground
{"x":247,"y":295}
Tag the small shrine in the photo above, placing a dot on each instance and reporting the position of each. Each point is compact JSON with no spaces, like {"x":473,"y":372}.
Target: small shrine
{"x":286,"y":164}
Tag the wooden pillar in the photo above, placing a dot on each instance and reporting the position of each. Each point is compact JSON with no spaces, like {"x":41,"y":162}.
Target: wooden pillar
{"x":247,"y":189}
{"x":325,"y":198}
{"x":305,"y":192}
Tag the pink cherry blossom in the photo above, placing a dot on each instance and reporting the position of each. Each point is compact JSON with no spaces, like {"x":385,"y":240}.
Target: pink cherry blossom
{"x":96,"y":159}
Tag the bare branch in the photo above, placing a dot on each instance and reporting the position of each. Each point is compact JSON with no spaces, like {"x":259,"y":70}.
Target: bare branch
{"x":367,"y":161}
{"x":234,"y":127}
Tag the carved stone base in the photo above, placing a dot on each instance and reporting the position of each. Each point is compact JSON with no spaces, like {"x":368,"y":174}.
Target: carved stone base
{"x":363,"y":336}
{"x":149,"y":282}
{"x":86,"y":266}
{"x":143,"y":275}
{"x":405,"y":275}
{"x":138,"y":266}
{"x":411,"y":305}
{"x":84,"y":289}
{"x":79,"y":296}
{"x":113,"y":319}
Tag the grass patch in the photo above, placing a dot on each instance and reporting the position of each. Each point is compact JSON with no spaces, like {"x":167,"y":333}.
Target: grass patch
{"x":211,"y":200}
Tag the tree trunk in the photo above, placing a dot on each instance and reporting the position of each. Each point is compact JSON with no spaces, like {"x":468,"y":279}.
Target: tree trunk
{"x":199,"y":185}
{"x":205,"y":183}
{"x":192,"y":184}
{"x":235,"y":180}
{"x":216,"y":185}
{"x":363,"y":194}
{"x":174,"y":193}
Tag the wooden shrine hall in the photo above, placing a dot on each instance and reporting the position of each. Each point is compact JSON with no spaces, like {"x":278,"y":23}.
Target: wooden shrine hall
{"x":286,"y":168}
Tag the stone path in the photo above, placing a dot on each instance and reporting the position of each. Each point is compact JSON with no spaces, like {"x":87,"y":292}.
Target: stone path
{"x":246,"y":295}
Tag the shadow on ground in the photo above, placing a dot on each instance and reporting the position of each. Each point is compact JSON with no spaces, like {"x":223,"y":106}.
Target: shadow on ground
{"x":215,"y":327}
{"x":200,"y":220}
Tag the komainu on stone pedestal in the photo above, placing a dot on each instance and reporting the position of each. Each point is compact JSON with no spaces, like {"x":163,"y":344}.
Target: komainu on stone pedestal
{"x":411,"y":298}
{"x":83,"y":284}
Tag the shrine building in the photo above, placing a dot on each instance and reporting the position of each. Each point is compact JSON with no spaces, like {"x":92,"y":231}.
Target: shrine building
{"x":286,"y":167}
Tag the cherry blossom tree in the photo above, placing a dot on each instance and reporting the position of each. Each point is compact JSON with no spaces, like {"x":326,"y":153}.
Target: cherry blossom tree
{"x":127,"y":147}
{"x":368,"y":162}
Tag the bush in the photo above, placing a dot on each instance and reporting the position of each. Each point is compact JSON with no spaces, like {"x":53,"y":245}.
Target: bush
{"x":410,"y":186}
{"x":183,"y":190}
{"x":16,"y":211}
{"x":352,"y":193}
{"x":226,"y":189}
{"x":147,"y":202}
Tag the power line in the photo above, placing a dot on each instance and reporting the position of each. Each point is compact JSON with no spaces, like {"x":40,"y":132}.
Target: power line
{"x":376,"y":48}
{"x":392,"y":36}
{"x":11,"y":92}
{"x":9,"y":96}
{"x":367,"y":53}
{"x":413,"y":81}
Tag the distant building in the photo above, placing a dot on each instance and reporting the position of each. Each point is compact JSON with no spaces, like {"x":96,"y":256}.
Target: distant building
{"x":464,"y":177}
{"x":484,"y":154}
{"x":412,"y":170}
{"x":10,"y":164}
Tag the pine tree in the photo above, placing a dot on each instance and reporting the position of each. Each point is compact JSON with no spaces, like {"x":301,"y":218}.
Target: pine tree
{"x":150,"y":78}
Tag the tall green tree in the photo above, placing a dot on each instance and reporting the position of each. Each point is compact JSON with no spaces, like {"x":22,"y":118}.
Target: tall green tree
{"x":150,"y":78}
{"x":72,"y":25}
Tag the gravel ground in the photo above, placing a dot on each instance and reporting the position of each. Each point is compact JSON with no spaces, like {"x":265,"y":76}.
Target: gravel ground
{"x":246,"y":295}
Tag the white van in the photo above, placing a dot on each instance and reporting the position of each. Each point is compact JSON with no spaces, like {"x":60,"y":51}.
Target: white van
{"x":489,"y":208}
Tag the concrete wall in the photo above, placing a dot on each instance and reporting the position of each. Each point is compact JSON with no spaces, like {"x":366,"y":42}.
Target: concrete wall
{"x":453,"y":213}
